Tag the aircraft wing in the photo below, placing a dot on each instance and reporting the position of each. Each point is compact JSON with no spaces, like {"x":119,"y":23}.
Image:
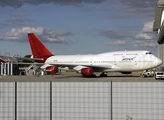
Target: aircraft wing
{"x":96,"y":68}
{"x":26,"y":63}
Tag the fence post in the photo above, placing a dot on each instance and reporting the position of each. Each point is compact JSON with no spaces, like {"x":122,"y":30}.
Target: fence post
{"x":50,"y":100}
{"x":15,"y":100}
{"x":111,"y":101}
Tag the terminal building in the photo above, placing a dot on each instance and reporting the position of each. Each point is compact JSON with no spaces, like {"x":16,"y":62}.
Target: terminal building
{"x":158,"y":28}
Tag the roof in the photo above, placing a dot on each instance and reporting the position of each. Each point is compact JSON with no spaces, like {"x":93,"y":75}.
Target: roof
{"x":158,"y":15}
{"x":157,"y":23}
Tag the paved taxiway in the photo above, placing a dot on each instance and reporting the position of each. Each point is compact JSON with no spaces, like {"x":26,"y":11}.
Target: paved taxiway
{"x":78,"y":78}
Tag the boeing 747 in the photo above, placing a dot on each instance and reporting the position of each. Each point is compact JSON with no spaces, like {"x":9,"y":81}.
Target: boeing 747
{"x":119,"y":61}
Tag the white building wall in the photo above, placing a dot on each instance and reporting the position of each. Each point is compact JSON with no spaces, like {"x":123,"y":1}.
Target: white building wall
{"x":33,"y":101}
{"x":6,"y":68}
{"x":7,"y":101}
{"x":161,"y":52}
{"x":162,"y":18}
{"x":139,"y":100}
{"x":82,"y":101}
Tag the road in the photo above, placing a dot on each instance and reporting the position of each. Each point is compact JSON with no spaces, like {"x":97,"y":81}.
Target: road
{"x":115,"y":77}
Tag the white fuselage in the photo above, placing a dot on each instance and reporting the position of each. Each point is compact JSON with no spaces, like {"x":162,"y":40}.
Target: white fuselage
{"x":121,"y":61}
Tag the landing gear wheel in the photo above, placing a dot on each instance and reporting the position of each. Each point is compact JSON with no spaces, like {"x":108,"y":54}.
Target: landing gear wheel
{"x":103,"y":75}
{"x":94,"y":75}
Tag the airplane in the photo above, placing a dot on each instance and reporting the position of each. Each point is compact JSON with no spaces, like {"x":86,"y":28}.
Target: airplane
{"x":119,"y":61}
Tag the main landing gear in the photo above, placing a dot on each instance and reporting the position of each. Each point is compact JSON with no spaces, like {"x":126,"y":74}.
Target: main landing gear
{"x":103,"y":74}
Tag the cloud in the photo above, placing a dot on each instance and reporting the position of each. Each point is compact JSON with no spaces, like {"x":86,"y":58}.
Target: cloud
{"x":72,"y":41}
{"x":19,"y":3}
{"x":142,"y":9}
{"x":87,"y":8}
{"x":3,"y":25}
{"x":148,"y":27}
{"x":104,"y":8}
{"x":119,"y":42}
{"x":143,"y":36}
{"x":20,"y":15}
{"x":137,"y":6}
{"x":135,"y":9}
{"x":17,"y":20}
{"x":39,"y":8}
{"x":45,"y":35}
{"x":146,"y":38}
{"x":125,"y":16}
{"x":146,"y":33}
{"x":147,"y":43}
{"x":115,"y":34}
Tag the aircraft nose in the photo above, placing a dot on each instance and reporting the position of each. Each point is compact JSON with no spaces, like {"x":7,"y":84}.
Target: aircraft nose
{"x":159,"y":62}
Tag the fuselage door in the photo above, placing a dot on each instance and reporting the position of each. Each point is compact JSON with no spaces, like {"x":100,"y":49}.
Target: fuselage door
{"x":114,"y":62}
{"x":91,"y":61}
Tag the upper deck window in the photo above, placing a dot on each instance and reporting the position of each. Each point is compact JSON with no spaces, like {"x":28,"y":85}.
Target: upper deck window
{"x":131,"y":54}
{"x":117,"y":54}
{"x":148,"y":53}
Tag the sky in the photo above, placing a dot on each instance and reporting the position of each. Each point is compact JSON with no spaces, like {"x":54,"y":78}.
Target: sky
{"x":68,"y":27}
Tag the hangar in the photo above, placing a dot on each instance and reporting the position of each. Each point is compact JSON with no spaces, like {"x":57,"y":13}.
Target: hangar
{"x":158,"y":27}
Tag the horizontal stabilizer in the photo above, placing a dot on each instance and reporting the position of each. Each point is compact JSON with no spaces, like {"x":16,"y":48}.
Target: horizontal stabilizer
{"x":30,"y":59}
{"x":3,"y":61}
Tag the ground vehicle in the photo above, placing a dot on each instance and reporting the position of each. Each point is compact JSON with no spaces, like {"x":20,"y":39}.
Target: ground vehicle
{"x":147,"y":73}
{"x":159,"y":75}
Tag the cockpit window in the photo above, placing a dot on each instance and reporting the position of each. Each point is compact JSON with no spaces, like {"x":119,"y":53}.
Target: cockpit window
{"x":148,"y":53}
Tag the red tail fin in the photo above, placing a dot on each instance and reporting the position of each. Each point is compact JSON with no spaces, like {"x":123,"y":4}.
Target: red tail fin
{"x":37,"y":48}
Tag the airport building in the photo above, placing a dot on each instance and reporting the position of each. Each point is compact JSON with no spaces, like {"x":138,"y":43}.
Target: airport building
{"x":11,"y":67}
{"x":158,"y":27}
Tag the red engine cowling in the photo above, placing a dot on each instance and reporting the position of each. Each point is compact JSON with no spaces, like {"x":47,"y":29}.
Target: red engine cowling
{"x":87,"y":71}
{"x":51,"y":69}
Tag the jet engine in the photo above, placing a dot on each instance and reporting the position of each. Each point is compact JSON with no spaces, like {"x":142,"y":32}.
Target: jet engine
{"x":87,"y":71}
{"x":51,"y":69}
